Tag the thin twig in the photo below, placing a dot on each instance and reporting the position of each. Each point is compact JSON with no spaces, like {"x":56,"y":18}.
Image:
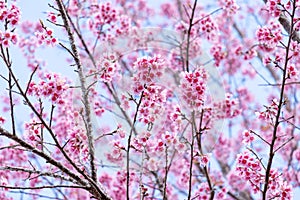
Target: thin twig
{"x":189,"y":35}
{"x":129,"y":144}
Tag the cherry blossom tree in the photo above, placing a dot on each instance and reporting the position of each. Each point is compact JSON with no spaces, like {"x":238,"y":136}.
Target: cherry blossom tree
{"x":150,"y":100}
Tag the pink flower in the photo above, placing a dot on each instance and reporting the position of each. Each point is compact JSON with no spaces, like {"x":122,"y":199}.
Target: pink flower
{"x":45,"y":36}
{"x":269,"y":36}
{"x":2,"y":120}
{"x":148,"y":70}
{"x":249,"y":168}
{"x":208,"y":27}
{"x":108,"y":68}
{"x":193,"y":86}
{"x":248,"y":137}
{"x":292,"y":72}
{"x":270,"y":112}
{"x":229,"y":6}
{"x":204,"y":160}
{"x":52,"y":17}
{"x":53,"y":87}
{"x":272,"y":6}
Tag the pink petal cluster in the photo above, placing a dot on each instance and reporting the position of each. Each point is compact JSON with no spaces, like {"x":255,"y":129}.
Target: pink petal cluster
{"x":52,"y":86}
{"x":193,"y":86}
{"x":148,"y":69}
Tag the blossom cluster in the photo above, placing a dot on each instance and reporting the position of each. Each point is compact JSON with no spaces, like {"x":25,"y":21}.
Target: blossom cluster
{"x":175,"y":117}
{"x":278,"y":187}
{"x":270,"y":112}
{"x":7,"y":37}
{"x":221,"y":151}
{"x":292,"y":72}
{"x":272,"y":6}
{"x":98,"y":108}
{"x":78,"y":143}
{"x":45,"y":36}
{"x":9,"y":15}
{"x":250,"y":169}
{"x":152,"y":104}
{"x":228,"y":108}
{"x":11,"y":157}
{"x":203,"y":192}
{"x":208,"y":27}
{"x":276,"y":60}
{"x":141,"y":140}
{"x":108,"y":67}
{"x":29,"y":43}
{"x":193,"y":87}
{"x":168,"y":9}
{"x":52,"y":86}
{"x":248,"y":137}
{"x":33,"y":131}
{"x":229,"y":6}
{"x":148,"y":69}
{"x":116,"y":154}
{"x":269,"y":36}
{"x":218,"y":54}
{"x":74,"y":8}
{"x":103,"y":14}
{"x":201,"y":159}
{"x":124,"y":25}
{"x":68,"y":127}
{"x":172,"y":139}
